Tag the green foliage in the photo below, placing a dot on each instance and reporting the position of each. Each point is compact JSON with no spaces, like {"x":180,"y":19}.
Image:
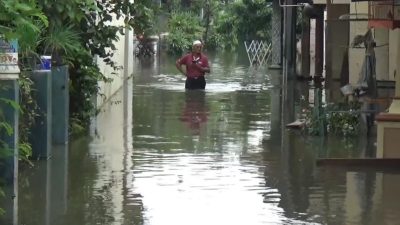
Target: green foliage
{"x":28,"y":42}
{"x":72,"y":11}
{"x":90,"y":24}
{"x":138,"y":16}
{"x":61,"y":42}
{"x":184,"y":27}
{"x":27,"y":108}
{"x":29,"y":111}
{"x":77,"y":128}
{"x":252,"y":19}
{"x":143,"y":21}
{"x":73,"y":32}
{"x":16,"y":13}
{"x":83,"y":88}
{"x":316,"y":121}
{"x":216,"y":40}
{"x":25,"y":152}
{"x":2,"y":212}
{"x":342,"y":119}
{"x":225,"y":24}
{"x":5,"y":129}
{"x":4,"y":126}
{"x":226,"y":31}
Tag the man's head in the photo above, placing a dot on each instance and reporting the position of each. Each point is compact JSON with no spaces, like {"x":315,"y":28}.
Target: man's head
{"x":196,"y":47}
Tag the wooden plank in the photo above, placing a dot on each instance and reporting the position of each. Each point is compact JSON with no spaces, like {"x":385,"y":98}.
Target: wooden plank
{"x":364,"y":162}
{"x":387,"y":117}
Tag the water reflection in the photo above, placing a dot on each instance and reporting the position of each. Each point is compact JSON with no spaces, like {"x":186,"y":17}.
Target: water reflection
{"x":43,"y":190}
{"x":160,"y":155}
{"x":195,"y":110}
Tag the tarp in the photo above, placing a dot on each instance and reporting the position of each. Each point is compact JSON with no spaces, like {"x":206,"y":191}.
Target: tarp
{"x":367,"y":80}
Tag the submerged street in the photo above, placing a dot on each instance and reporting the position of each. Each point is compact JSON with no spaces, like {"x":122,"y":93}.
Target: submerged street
{"x":160,"y":155}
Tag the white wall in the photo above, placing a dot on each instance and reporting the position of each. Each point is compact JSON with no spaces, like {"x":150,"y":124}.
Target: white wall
{"x":123,"y":56}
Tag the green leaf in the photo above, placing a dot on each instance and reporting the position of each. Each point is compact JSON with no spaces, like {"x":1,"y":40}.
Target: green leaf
{"x":7,"y":127}
{"x":13,"y":104}
{"x":59,"y":8}
{"x":23,"y":7}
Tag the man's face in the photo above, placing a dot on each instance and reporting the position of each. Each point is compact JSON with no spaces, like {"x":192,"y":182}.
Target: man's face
{"x":197,"y":48}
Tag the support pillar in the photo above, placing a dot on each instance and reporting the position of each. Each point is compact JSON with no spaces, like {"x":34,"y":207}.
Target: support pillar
{"x":388,"y":124}
{"x":289,"y":57}
{"x":305,"y":47}
{"x":319,"y":43}
{"x":60,"y":104}
{"x":9,"y":98}
{"x":41,"y":131}
{"x":46,"y":192}
{"x":276,"y":105}
{"x":276,"y":54}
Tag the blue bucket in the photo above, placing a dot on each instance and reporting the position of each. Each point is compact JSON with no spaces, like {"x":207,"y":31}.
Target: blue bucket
{"x":45,"y":62}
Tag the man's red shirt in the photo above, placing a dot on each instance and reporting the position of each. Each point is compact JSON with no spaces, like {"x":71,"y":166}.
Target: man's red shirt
{"x":191,"y":69}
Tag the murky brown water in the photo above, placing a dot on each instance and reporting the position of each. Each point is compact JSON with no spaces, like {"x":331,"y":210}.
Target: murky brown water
{"x":161,"y":156}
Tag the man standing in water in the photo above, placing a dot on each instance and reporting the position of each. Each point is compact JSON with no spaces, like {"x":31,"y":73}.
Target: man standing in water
{"x":196,"y":64}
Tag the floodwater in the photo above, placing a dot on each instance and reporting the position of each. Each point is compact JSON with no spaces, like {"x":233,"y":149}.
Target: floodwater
{"x":158,"y":155}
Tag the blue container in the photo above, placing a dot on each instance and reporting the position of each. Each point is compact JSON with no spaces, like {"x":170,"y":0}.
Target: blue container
{"x":45,"y":62}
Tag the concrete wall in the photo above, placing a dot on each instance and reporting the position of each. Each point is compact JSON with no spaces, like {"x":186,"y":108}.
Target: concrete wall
{"x":123,"y":56}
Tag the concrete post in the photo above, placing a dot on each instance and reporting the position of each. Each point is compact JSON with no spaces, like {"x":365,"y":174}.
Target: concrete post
{"x":9,"y":91}
{"x":319,"y":42}
{"x":276,"y":105}
{"x":289,"y":57}
{"x":60,"y":104}
{"x":41,"y":131}
{"x":305,"y":46}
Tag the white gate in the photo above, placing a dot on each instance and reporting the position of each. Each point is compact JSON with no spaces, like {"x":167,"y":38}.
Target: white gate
{"x":258,"y":52}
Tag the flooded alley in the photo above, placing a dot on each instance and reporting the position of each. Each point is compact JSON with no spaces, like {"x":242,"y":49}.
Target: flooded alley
{"x":160,"y":155}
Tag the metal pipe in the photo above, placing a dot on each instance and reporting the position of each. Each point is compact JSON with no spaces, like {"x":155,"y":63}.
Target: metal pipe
{"x":297,"y":5}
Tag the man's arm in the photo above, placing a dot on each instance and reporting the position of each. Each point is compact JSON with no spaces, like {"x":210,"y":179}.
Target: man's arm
{"x":205,"y":68}
{"x":179,"y":66}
